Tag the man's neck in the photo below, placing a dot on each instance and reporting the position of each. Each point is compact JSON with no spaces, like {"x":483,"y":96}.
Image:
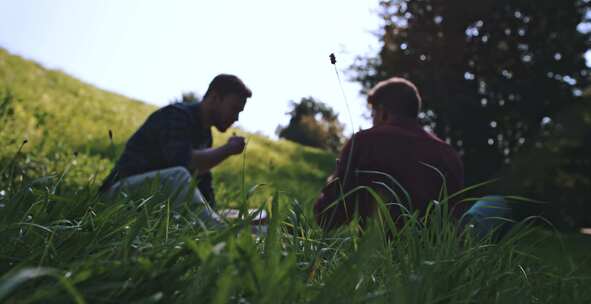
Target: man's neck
{"x":397,"y":120}
{"x":206,"y":113}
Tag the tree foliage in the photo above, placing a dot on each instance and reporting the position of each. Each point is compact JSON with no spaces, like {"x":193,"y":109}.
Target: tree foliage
{"x":188,"y":97}
{"x":493,"y":73}
{"x":314,"y":124}
{"x":557,"y":170}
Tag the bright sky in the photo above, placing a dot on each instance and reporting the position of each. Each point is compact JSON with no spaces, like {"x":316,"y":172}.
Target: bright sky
{"x":155,"y":50}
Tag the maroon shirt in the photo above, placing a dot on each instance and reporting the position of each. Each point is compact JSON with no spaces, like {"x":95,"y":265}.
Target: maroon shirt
{"x":397,"y":149}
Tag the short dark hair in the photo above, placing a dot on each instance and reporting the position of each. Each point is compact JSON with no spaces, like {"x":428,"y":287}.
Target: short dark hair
{"x":397,"y":95}
{"x":225,"y":84}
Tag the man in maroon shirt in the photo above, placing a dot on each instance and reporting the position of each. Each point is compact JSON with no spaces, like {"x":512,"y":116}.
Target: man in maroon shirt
{"x":396,"y":157}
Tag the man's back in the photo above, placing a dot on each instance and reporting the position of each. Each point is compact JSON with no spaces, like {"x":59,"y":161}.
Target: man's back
{"x":399,"y":150}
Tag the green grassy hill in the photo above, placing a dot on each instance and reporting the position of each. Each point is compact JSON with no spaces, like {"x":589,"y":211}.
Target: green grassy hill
{"x":60,"y":115}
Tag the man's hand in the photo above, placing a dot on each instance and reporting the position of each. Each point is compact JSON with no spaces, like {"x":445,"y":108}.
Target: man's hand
{"x":205,"y":159}
{"x":331,"y":178}
{"x":235,"y":145}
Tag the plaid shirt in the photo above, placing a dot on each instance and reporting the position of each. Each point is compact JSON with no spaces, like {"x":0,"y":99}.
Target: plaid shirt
{"x":165,"y":140}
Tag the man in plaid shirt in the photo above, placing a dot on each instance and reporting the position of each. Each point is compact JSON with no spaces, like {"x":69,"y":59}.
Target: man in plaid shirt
{"x":175,"y":143}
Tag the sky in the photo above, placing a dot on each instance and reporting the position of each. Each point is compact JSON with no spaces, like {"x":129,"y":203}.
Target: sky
{"x":155,"y":50}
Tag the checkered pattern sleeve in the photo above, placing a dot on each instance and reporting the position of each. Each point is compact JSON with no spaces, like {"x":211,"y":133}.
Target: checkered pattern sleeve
{"x":174,"y":138}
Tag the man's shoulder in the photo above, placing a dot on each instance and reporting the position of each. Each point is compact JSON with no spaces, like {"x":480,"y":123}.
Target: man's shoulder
{"x":184,"y":106}
{"x":390,"y":131}
{"x":442,"y":145}
{"x":176,"y":111}
{"x":394,"y":134}
{"x":177,"y":107}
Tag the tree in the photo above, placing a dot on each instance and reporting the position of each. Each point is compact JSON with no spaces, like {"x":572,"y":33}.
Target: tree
{"x":188,"y":97}
{"x":313,"y":123}
{"x":493,"y":73}
{"x":557,"y":170}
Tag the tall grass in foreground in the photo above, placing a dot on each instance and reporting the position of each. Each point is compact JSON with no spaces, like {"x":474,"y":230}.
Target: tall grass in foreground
{"x":75,"y":247}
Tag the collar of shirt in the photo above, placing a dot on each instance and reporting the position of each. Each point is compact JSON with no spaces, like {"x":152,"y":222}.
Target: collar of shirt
{"x":405,"y":123}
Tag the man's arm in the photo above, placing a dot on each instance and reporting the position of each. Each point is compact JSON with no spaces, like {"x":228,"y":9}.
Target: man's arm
{"x":330,"y":211}
{"x":205,"y":159}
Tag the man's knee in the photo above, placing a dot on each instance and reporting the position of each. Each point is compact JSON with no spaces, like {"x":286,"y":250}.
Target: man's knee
{"x":491,"y":214}
{"x":179,"y":174}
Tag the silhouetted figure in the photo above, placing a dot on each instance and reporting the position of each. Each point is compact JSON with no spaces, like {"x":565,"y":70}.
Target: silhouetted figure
{"x":395,"y":147}
{"x":174,"y":144}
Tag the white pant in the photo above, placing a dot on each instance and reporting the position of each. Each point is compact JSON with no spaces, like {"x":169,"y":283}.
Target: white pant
{"x":174,"y":183}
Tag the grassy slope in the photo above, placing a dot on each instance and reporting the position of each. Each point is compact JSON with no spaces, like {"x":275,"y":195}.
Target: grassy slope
{"x":113,"y":253}
{"x":59,"y":115}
